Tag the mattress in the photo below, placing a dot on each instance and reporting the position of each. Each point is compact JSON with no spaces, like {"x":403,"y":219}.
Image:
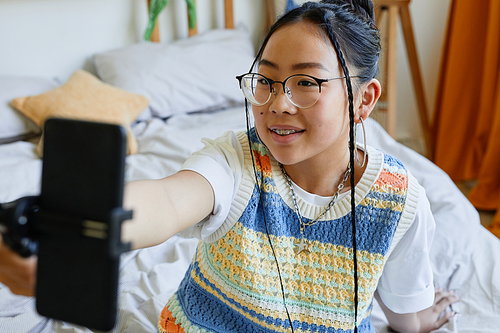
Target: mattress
{"x":462,"y":255}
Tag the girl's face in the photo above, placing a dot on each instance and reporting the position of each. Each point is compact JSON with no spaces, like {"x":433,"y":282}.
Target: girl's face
{"x":316,"y":134}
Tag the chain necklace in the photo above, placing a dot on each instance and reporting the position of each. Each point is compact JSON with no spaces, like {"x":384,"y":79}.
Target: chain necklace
{"x":303,"y":245}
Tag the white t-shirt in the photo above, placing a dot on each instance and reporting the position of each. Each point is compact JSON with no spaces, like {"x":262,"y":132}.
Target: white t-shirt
{"x":406,"y":284}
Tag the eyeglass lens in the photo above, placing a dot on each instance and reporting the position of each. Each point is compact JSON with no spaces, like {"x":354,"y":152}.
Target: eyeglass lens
{"x":303,"y":91}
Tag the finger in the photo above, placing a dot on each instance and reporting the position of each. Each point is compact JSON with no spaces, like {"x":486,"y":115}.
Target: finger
{"x":441,"y":295}
{"x":448,"y":296}
{"x":445,"y":302}
{"x":23,"y":291}
{"x":445,"y":319}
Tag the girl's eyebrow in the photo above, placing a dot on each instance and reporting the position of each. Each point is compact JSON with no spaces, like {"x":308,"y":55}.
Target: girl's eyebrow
{"x":307,"y":65}
{"x":302,"y":65}
{"x":264,"y":62}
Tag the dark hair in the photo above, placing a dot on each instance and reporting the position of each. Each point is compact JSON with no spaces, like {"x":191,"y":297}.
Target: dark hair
{"x":350,"y":27}
{"x":350,"y":22}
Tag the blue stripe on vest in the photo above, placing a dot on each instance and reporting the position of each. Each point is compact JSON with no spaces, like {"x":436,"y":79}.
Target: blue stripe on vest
{"x":223,"y":319}
{"x":372,"y":228}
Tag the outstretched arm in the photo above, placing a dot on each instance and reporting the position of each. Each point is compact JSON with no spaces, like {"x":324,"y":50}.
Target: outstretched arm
{"x":423,"y":321}
{"x":162,"y":208}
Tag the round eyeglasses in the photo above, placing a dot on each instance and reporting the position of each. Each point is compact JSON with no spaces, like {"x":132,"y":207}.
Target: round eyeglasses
{"x":301,"y":90}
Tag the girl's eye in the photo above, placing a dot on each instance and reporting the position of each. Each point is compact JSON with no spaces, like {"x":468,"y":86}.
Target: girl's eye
{"x":306,"y":83}
{"x":262,"y":81}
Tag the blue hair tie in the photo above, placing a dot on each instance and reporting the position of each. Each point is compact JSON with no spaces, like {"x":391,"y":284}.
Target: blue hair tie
{"x":290,"y":5}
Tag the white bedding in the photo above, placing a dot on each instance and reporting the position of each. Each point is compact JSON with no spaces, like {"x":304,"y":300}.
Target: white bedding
{"x":463,"y":253}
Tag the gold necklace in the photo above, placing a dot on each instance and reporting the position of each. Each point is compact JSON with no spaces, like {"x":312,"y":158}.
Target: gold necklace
{"x":303,"y":245}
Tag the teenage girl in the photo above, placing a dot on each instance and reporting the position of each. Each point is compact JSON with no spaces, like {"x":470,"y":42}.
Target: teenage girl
{"x":280,"y":250}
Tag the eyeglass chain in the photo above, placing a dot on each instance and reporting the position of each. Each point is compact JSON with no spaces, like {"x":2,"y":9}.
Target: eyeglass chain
{"x":303,"y":245}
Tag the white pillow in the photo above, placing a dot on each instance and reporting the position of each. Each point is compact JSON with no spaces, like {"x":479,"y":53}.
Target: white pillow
{"x":14,"y":126}
{"x":188,"y":75}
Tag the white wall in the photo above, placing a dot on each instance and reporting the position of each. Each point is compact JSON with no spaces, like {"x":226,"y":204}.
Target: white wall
{"x":55,"y":37}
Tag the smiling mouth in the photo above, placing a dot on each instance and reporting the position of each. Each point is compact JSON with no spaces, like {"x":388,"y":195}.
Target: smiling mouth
{"x":284,"y":132}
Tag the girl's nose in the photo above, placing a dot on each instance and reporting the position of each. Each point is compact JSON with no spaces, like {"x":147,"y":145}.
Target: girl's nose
{"x":288,"y":92}
{"x":280,"y":101}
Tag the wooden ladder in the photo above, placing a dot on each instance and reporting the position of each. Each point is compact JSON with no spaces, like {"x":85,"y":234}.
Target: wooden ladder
{"x":393,"y":9}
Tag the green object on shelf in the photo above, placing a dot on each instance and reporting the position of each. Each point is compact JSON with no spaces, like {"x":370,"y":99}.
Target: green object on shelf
{"x":156,"y":6}
{"x":191,"y":13}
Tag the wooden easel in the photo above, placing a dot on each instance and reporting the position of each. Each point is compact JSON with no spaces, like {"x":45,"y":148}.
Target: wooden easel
{"x":393,"y":9}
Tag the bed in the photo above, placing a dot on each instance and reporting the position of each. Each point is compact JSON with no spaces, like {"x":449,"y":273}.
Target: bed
{"x":167,"y":129}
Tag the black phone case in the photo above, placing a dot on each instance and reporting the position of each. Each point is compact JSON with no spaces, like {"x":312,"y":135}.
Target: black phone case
{"x":78,"y":235}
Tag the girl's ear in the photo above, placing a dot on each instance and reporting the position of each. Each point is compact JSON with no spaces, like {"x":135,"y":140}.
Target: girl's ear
{"x":370,"y":93}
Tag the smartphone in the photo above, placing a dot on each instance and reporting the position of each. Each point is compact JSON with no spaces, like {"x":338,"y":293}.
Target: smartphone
{"x":78,"y":222}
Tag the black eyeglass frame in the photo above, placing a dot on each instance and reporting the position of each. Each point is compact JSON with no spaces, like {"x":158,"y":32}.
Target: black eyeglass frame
{"x":283,"y":83}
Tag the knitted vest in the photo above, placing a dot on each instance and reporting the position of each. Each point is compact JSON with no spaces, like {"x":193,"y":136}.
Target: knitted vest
{"x":232,"y":284}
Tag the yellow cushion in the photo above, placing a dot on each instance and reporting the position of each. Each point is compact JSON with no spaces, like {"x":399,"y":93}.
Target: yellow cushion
{"x":85,"y":97}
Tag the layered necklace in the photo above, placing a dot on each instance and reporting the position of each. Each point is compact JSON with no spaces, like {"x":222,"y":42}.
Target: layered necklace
{"x":303,"y":245}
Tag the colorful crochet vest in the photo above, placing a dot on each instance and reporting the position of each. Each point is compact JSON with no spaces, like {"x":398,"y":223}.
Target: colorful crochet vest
{"x":232,"y":284}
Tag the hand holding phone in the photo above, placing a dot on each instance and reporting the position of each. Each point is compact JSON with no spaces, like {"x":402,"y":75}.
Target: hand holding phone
{"x":75,"y":224}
